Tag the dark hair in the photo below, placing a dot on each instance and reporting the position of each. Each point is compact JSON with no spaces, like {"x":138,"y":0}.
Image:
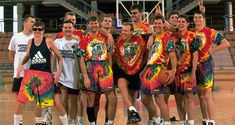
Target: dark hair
{"x":39,"y":24}
{"x":129,"y":24}
{"x":184,"y":16}
{"x":136,"y":6}
{"x":93,"y":18}
{"x":172,"y":13}
{"x":26,"y":17}
{"x":69,"y":13}
{"x":159,"y":17}
{"x":68,"y":21}
{"x":200,"y":12}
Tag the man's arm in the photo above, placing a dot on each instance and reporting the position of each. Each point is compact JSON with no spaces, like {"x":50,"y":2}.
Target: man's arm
{"x":11,"y":55}
{"x":223,"y":45}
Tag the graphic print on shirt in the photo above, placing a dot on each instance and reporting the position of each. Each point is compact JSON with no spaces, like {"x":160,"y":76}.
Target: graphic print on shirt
{"x":68,"y":53}
{"x":97,"y":50}
{"x":38,"y":58}
{"x":22,"y":47}
{"x":155,"y":51}
{"x":130,"y":52}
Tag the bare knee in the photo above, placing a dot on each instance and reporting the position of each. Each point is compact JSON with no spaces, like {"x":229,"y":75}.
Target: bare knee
{"x":144,"y":99}
{"x":112,"y":98}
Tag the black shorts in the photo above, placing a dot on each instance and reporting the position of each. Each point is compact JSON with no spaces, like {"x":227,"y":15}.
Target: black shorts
{"x":134,"y":80}
{"x":16,"y":84}
{"x":57,"y":90}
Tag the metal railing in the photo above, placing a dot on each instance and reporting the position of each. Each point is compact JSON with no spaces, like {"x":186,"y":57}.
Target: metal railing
{"x":226,"y":18}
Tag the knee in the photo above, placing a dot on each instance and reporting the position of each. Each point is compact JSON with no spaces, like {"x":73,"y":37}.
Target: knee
{"x":112,"y":99}
{"x":144,"y":100}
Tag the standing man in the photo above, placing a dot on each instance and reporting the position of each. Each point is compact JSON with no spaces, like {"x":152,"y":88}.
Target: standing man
{"x":207,"y":37}
{"x":77,"y":32}
{"x":70,"y":76}
{"x":161,"y":49}
{"x":39,"y":51}
{"x":187,"y":59}
{"x":140,"y":27}
{"x":72,"y":95}
{"x":96,"y":64}
{"x":17,"y":50}
{"x":106,"y":26}
{"x":129,"y":53}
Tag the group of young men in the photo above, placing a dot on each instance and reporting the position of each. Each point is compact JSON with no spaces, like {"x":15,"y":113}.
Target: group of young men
{"x":95,"y":62}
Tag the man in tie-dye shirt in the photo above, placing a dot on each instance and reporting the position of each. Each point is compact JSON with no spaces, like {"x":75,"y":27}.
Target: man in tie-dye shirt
{"x":140,"y":27}
{"x":161,"y":48}
{"x":207,"y":37}
{"x":187,"y":57}
{"x":95,"y":64}
{"x":129,"y":53}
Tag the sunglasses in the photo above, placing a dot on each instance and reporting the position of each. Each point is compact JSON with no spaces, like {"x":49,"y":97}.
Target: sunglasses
{"x":38,"y":29}
{"x":134,"y":13}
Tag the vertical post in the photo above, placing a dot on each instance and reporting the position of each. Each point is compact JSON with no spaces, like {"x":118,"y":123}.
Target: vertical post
{"x":34,"y":10}
{"x":117,"y":9}
{"x":163,"y":7}
{"x":169,"y":6}
{"x":20,"y":12}
{"x":229,"y":15}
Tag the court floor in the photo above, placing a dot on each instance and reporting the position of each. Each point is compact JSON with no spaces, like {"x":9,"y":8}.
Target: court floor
{"x":224,"y":100}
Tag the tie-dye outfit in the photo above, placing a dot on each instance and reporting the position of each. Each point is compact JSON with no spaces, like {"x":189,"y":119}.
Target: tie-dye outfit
{"x":129,"y":56}
{"x":185,"y":46}
{"x":207,"y":37}
{"x":95,"y":51}
{"x":37,"y":85}
{"x":142,"y":28}
{"x":157,"y":56}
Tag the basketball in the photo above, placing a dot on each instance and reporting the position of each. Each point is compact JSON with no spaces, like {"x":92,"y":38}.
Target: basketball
{"x":162,"y":77}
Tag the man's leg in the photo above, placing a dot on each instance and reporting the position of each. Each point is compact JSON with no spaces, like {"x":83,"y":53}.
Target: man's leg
{"x":203,"y":105}
{"x":18,"y":114}
{"x":190,"y":107}
{"x":159,"y":98}
{"x":65,"y":98}
{"x":90,"y":108}
{"x":148,"y":102}
{"x":180,"y":107}
{"x":210,"y":105}
{"x":61,"y":110}
{"x":112,"y":99}
{"x":80,"y":108}
{"x":97,"y":103}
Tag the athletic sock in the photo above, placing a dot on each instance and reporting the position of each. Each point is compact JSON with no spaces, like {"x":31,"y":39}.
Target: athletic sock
{"x":80,"y":120}
{"x":91,"y":114}
{"x":190,"y":122}
{"x":110,"y":122}
{"x":17,"y":119}
{"x":64,"y":119}
{"x":132,"y":108}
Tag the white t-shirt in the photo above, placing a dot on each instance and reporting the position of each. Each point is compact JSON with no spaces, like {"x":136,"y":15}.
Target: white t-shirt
{"x":18,"y":44}
{"x":70,"y":74}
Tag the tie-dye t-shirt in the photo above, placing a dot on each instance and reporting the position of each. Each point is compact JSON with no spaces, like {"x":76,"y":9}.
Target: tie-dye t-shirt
{"x":185,"y":46}
{"x":77,"y":34}
{"x":129,"y":53}
{"x":162,"y":46}
{"x":207,"y":37}
{"x":142,"y":28}
{"x":94,"y":48}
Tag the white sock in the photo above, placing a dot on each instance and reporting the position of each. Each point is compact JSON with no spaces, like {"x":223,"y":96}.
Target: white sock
{"x":110,"y":122}
{"x":17,"y":119}
{"x":191,"y":122}
{"x":106,"y":123}
{"x":64,"y":119}
{"x":157,"y":120}
{"x":39,"y":119}
{"x":80,"y":119}
{"x":92,"y":123}
{"x":72,"y":121}
{"x":132,"y":108}
{"x":167,"y":123}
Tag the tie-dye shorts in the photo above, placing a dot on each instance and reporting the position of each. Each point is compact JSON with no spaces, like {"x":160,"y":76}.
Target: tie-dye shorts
{"x":183,"y":83}
{"x":37,"y":85}
{"x":149,"y":80}
{"x":101,"y":76}
{"x":205,"y":74}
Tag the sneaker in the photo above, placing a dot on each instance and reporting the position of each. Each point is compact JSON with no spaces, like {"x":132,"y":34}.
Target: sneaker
{"x":173,"y":118}
{"x":158,"y":121}
{"x":204,"y":123}
{"x":48,"y":118}
{"x":133,"y":117}
{"x":21,"y":122}
{"x":41,"y":123}
{"x":211,"y":123}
